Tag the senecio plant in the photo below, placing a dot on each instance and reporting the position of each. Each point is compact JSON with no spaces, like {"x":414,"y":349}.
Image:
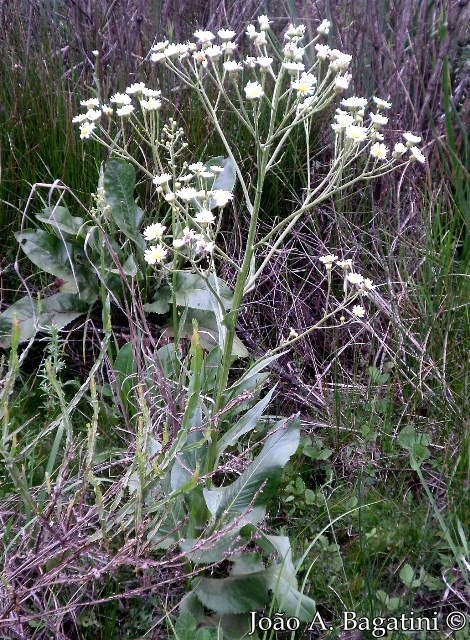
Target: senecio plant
{"x":271,"y":92}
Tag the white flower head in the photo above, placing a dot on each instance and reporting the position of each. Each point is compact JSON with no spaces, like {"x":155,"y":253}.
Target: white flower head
{"x":159,"y":46}
{"x":213,"y":52}
{"x":251,"y":32}
{"x":261,"y":40}
{"x":253,"y":90}
{"x":226,"y":34}
{"x":264,"y":23}
{"x":323,"y":50}
{"x":293,"y":67}
{"x":264,"y":62}
{"x":221,"y":197}
{"x":305,"y":86}
{"x":355,"y":278}
{"x":121,"y":99}
{"x":178,"y":243}
{"x":343,"y":120}
{"x":342,"y":82}
{"x":378,"y":120}
{"x":152,"y":104}
{"x":228,"y":47}
{"x":151,"y":93}
{"x":379,"y":151}
{"x":411,"y":139}
{"x":137,"y":87}
{"x":126,"y":110}
{"x":204,"y":217}
{"x":204,"y":37}
{"x":93,"y":114}
{"x":324,"y":28}
{"x":382,"y":104}
{"x":176,"y":49}
{"x":155,"y":255}
{"x":339,"y":61}
{"x":399,"y":149}
{"x":359,"y":311}
{"x":328,"y":261}
{"x":293,"y":52}
{"x":80,"y":118}
{"x":354,"y":103}
{"x":197,"y":167}
{"x":232,"y":67}
{"x":358,"y":134}
{"x":375,"y":136}
{"x":163,"y":178}
{"x":91,"y":102}
{"x":345,"y":264}
{"x":154,"y":231}
{"x":416,"y":155}
{"x":186,"y":193}
{"x":86,"y":129}
{"x":157,"y":56}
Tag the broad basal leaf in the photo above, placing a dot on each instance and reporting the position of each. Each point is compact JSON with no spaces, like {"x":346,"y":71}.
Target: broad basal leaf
{"x":194,"y":291}
{"x":59,"y":309}
{"x":65,"y":260}
{"x":60,"y":219}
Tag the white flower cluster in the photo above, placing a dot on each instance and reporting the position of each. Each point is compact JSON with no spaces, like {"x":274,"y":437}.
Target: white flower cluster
{"x":186,"y":199}
{"x":195,"y":243}
{"x":349,"y":122}
{"x":148,"y":99}
{"x":362,"y":285}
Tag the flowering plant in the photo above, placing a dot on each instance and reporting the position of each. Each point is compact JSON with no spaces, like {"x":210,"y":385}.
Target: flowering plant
{"x":272,"y":92}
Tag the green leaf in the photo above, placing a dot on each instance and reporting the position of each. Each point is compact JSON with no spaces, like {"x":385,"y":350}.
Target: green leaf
{"x":408,"y":437}
{"x":61,"y":259}
{"x":129,"y":267}
{"x":246,"y":423}
{"x":407,"y":574}
{"x":125,"y":369}
{"x":60,"y":219}
{"x":195,"y":291}
{"x":161,"y":302}
{"x":376,"y":377}
{"x":247,"y":592}
{"x":185,"y":626}
{"x":289,"y":599}
{"x":60,"y":309}
{"x":236,"y":594}
{"x":259,"y":481}
{"x":119,"y":186}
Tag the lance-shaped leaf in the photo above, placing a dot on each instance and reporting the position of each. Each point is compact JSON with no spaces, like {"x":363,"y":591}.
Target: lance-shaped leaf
{"x":258,"y":483}
{"x":119,"y":185}
{"x":245,"y":424}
